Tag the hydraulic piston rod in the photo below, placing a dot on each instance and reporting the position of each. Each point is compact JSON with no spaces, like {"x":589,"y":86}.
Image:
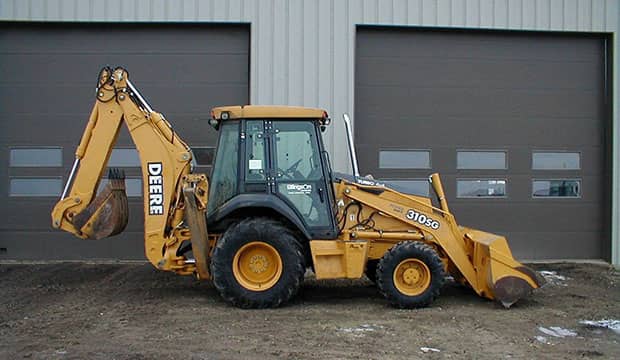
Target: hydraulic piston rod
{"x":139,"y":97}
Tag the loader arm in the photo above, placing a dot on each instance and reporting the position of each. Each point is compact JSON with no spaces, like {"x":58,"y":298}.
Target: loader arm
{"x":174,"y":199}
{"x":479,"y":259}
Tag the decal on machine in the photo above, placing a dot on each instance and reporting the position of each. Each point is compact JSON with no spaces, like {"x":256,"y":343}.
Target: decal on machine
{"x":422,"y":219}
{"x":367,"y":182}
{"x":298,"y":189}
{"x":156,"y":189}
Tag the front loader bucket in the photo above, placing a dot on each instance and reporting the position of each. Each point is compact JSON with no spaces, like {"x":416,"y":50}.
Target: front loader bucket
{"x":108,"y":213}
{"x":499,"y":275}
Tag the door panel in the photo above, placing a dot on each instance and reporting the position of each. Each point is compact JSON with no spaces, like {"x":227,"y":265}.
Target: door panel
{"x":298,"y":171}
{"x":515,"y":93}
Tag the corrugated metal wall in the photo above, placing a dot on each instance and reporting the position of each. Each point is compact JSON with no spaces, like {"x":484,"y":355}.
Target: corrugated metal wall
{"x":303,"y":51}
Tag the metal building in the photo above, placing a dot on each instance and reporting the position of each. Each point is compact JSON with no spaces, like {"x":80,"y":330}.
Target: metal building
{"x":513,"y":101}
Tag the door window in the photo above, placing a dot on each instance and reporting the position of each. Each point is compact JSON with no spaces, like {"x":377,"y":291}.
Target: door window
{"x":36,"y":157}
{"x":479,"y":159}
{"x":570,"y":188}
{"x":481,"y":188}
{"x":297,"y":152}
{"x":298,"y":170}
{"x":404,"y":159}
{"x":31,"y":186}
{"x":547,"y":160}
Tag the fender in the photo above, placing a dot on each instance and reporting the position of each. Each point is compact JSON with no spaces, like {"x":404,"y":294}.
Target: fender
{"x":244,"y":201}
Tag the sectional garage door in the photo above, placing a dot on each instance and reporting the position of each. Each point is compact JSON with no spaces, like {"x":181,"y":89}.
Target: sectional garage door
{"x":47,"y":78}
{"x":516,"y":123}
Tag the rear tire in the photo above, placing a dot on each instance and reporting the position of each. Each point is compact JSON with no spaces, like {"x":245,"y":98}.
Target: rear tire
{"x":257,"y":263}
{"x":410,"y":275}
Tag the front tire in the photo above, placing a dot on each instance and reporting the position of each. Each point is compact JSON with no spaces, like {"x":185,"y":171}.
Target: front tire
{"x":410,"y":275}
{"x":257,"y":263}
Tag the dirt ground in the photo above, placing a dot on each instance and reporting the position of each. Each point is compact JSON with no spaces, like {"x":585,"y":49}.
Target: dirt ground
{"x":132,"y":311}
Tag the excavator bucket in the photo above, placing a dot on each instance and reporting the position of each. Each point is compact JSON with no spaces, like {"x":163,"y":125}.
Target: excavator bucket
{"x":108,"y":213}
{"x":500,"y":276}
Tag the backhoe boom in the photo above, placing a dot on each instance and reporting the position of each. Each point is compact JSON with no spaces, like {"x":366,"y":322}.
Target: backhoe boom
{"x":165,"y":162}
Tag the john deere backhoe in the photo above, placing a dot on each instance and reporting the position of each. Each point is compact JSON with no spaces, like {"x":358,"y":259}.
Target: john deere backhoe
{"x":274,"y":208}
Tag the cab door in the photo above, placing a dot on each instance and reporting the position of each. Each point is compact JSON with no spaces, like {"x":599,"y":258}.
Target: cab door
{"x":299,"y":174}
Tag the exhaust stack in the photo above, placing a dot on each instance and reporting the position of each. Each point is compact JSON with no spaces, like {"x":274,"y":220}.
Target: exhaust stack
{"x":347,"y":125}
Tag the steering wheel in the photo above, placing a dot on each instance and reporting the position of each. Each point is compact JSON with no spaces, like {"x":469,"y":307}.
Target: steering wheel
{"x":291,"y":170}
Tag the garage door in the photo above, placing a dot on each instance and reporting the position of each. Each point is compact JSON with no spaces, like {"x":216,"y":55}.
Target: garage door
{"x":47,"y":79}
{"x":516,"y":123}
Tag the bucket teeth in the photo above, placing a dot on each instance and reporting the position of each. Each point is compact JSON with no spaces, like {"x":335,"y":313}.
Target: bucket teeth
{"x":115,"y":173}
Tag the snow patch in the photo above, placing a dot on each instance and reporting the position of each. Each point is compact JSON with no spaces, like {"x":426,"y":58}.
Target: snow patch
{"x":429,"y":349}
{"x":360,"y":330}
{"x":542,"y":339}
{"x":554,"y":278}
{"x":611,"y":324}
{"x":557,"y":331}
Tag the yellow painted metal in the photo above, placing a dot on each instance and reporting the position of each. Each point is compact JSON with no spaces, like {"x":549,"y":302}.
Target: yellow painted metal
{"x":412,"y":277}
{"x":495,"y":264}
{"x":396,"y":235}
{"x":339,"y":259}
{"x":444,"y":235}
{"x":262,"y":112}
{"x":257,"y":266}
{"x":438,"y":188}
{"x":195,"y":191}
{"x":156,"y":144}
{"x":378,"y":248}
{"x":383,"y":217}
{"x":94,"y":151}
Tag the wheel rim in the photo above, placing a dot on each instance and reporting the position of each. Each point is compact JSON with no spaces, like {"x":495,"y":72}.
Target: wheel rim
{"x":412,"y":277}
{"x":257,"y":266}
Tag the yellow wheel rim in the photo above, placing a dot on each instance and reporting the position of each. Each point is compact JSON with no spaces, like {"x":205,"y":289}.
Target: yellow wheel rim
{"x":412,"y":277}
{"x":257,"y":266}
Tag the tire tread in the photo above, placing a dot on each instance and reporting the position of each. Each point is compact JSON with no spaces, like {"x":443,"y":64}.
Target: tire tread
{"x":388,"y":263}
{"x":292,"y":275}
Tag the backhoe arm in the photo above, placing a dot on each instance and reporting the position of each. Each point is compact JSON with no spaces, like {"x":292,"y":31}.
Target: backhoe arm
{"x":167,"y":182}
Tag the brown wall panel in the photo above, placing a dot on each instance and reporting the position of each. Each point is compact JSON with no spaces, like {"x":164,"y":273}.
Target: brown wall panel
{"x":518,"y":92}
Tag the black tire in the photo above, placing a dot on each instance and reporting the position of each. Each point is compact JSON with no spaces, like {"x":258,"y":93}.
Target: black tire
{"x":371,"y":270}
{"x":263,"y":231}
{"x":423,"y":290}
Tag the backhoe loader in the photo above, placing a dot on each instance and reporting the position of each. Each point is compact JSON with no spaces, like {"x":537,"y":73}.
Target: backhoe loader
{"x":273,"y":208}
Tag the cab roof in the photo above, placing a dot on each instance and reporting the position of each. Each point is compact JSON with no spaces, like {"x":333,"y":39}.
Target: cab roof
{"x":268,"y":112}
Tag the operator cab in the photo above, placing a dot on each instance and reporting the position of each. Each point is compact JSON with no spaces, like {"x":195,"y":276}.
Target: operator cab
{"x":272,"y":159}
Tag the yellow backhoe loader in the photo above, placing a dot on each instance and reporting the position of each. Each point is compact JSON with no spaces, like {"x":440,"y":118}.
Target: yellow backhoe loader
{"x":273,"y":208}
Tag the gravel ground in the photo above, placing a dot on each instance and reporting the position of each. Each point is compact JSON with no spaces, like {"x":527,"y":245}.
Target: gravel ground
{"x":132,"y":311}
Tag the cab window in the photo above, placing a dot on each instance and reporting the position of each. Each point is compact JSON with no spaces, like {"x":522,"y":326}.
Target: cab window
{"x":224,"y":174}
{"x":297,"y":155}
